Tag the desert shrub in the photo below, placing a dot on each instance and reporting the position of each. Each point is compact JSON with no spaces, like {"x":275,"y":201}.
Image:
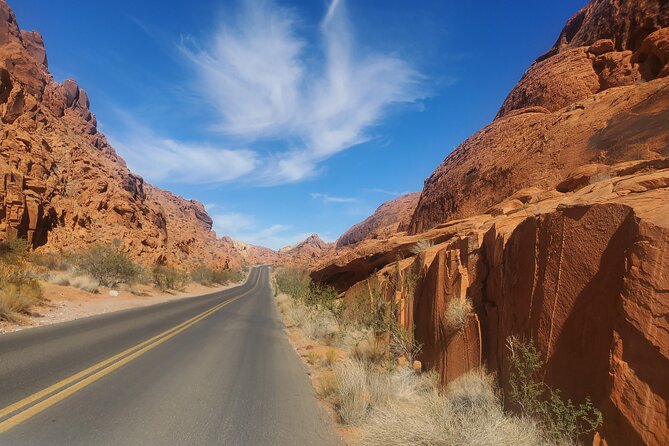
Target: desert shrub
{"x":85,"y":282}
{"x":353,"y":396}
{"x":108,"y":265}
{"x":14,"y":251}
{"x":17,"y":293}
{"x":330,"y":357}
{"x":62,"y":279}
{"x":403,"y":343}
{"x":369,"y":349}
{"x":457,"y":312}
{"x":165,"y":278}
{"x":313,"y":358}
{"x":468,"y":413}
{"x":421,"y":246}
{"x":50,"y":260}
{"x":327,"y":385}
{"x":209,"y":276}
{"x":294,"y":282}
{"x":561,"y":420}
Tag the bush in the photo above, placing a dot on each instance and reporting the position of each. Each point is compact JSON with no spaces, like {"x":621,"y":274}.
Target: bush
{"x":165,"y":278}
{"x":209,"y":277}
{"x":50,"y":261}
{"x":457,"y":313}
{"x":14,"y":251}
{"x":468,"y":413}
{"x":294,"y":282}
{"x":85,"y":282}
{"x":108,"y":265}
{"x":562,"y":421}
{"x":403,"y":343}
{"x":421,"y":246}
{"x":17,"y":293}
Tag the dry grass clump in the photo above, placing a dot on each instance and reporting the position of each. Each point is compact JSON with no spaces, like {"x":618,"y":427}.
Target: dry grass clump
{"x":316,"y":323}
{"x":72,"y":278}
{"x":327,"y":385}
{"x":313,"y":358}
{"x":457,"y":313}
{"x":469,"y":413}
{"x":361,"y":388}
{"x":18,"y":293}
{"x":330,"y":357}
{"x":421,"y":246}
{"x":86,"y":283}
{"x":369,"y":349}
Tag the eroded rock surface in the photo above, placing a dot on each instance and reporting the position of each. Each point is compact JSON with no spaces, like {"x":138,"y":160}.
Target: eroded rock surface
{"x":600,"y":95}
{"x":582,"y":272}
{"x":391,"y":217}
{"x":63,"y":187}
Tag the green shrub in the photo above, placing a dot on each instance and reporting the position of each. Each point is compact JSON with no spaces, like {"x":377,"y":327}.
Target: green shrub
{"x":294,"y":282}
{"x":560,"y":420}
{"x":108,"y":265}
{"x":17,"y":293}
{"x":165,"y":278}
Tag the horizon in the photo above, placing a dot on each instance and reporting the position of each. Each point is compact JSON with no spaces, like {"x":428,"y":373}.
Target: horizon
{"x":279,"y":157}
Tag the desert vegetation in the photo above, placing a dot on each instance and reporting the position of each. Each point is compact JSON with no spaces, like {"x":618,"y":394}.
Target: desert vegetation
{"x":101,"y":265}
{"x":373,"y":384}
{"x":19,"y":290}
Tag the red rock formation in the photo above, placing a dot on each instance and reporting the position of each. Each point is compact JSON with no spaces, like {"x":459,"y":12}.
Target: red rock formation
{"x":554,"y":221}
{"x":583,"y":272}
{"x":388,"y":219}
{"x":63,"y":187}
{"x":600,"y":95}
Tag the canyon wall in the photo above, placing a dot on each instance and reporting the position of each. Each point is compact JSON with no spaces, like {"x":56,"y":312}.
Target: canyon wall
{"x":63,"y":187}
{"x":554,"y":222}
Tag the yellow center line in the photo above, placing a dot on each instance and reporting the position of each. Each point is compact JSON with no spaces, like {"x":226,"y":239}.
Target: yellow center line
{"x":101,"y":369}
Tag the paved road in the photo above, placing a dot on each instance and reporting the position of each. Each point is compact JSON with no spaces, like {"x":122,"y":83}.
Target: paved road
{"x":213,"y":370}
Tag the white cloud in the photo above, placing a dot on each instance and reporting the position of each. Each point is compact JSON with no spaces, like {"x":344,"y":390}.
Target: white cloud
{"x":332,"y":199}
{"x":388,"y":192}
{"x":257,"y":76}
{"x":245,"y":228}
{"x":166,"y":160}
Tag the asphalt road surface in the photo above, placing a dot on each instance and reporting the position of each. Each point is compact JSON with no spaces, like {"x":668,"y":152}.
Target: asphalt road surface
{"x":211,"y":370}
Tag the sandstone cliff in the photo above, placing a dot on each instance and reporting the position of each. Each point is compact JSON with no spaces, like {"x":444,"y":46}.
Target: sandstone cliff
{"x":600,"y":95}
{"x":582,"y":271}
{"x":63,"y":187}
{"x":554,"y":222}
{"x":388,"y":219}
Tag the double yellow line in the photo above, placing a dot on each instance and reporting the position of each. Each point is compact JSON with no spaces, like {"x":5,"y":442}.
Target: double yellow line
{"x":64,"y":388}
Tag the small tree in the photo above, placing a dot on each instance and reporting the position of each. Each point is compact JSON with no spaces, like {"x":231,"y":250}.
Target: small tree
{"x":108,"y":264}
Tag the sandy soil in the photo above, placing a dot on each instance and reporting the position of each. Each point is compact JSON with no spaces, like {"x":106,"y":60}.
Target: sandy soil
{"x":64,"y":303}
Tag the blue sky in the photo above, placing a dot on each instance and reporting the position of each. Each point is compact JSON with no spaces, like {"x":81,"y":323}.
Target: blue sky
{"x":292,"y":117}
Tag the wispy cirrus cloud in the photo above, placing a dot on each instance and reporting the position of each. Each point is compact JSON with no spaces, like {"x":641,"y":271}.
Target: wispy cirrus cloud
{"x":258,"y":76}
{"x":161,"y":159}
{"x":325,"y":198}
{"x":392,"y":193}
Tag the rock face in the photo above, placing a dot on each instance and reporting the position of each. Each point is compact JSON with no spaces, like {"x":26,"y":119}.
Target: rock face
{"x":554,"y":222}
{"x":63,"y":187}
{"x":305,"y":254}
{"x":600,"y":95}
{"x":388,"y":219}
{"x":583,"y":272}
